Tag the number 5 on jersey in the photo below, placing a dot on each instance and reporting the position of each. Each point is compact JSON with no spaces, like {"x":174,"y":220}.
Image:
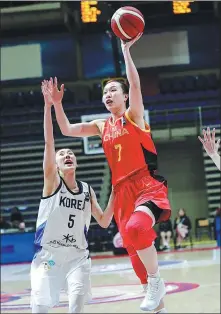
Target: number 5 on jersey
{"x":119,"y":148}
{"x":71,"y":221}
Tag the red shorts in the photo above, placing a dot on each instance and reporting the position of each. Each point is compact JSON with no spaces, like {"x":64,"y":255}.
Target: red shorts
{"x":137,"y":190}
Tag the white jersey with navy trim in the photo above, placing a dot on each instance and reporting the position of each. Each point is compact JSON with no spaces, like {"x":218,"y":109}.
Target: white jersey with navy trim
{"x":63,"y":220}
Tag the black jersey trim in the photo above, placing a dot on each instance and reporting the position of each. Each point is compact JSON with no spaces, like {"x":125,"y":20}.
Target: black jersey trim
{"x":79,"y":184}
{"x":89,"y":189}
{"x":150,"y":159}
{"x":55,"y":192}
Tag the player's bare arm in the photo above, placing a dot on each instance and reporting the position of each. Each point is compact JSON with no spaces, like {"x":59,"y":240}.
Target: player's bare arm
{"x":211,"y":146}
{"x":102,"y":217}
{"x":85,"y":129}
{"x":136,"y":107}
{"x":51,"y":179}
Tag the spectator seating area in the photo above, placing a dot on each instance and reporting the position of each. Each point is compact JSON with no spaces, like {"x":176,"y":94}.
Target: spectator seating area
{"x":24,"y":119}
{"x":203,"y":226}
{"x":188,"y":83}
{"x":22,"y":111}
{"x":22,"y":141}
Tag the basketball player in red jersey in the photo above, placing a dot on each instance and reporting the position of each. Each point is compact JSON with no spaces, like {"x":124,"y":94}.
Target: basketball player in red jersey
{"x":140,"y":194}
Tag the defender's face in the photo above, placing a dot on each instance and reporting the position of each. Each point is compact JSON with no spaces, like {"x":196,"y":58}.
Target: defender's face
{"x":66,"y":160}
{"x":113,"y":96}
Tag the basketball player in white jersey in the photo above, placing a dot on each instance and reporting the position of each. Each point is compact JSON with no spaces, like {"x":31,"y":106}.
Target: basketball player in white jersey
{"x":62,"y":258}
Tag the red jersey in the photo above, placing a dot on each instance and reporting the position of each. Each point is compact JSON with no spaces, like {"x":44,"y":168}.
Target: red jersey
{"x":127,"y":148}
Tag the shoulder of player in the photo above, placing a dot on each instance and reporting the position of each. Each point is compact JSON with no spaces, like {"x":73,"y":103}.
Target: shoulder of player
{"x":50,"y":191}
{"x":88,"y":190}
{"x":86,"y":186}
{"x":100,"y":124}
{"x":137,"y":121}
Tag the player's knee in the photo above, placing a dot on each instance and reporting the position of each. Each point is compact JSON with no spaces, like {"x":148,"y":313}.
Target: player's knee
{"x":139,"y":230}
{"x":132,"y":229}
{"x":139,"y":222}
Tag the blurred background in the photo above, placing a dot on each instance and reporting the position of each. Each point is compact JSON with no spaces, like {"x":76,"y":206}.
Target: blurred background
{"x":179,"y":62}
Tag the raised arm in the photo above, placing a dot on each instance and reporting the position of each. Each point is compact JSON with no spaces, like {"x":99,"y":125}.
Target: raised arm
{"x":51,"y":178}
{"x":136,"y":107}
{"x":102,"y":217}
{"x":211,"y":146}
{"x":76,"y":130}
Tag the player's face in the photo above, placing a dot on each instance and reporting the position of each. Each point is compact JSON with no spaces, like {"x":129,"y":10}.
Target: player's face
{"x":66,"y":160}
{"x":113,"y":97}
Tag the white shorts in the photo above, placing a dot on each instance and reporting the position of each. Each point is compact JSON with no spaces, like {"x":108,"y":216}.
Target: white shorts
{"x":48,"y":277}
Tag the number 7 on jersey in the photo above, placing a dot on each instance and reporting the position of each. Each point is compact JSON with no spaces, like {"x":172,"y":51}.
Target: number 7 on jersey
{"x":119,"y":148}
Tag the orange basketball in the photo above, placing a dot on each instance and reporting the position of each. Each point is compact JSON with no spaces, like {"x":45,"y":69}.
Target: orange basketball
{"x":127,"y":22}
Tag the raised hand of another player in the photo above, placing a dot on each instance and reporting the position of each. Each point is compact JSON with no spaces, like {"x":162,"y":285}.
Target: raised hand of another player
{"x":55,"y":94}
{"x":47,"y":98}
{"x":128,"y":44}
{"x":209,"y":142}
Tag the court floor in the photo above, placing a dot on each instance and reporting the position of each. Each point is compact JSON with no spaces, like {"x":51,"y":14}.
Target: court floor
{"x":192,"y":282}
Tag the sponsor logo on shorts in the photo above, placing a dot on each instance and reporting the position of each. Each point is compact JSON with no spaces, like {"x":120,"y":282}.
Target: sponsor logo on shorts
{"x":48,"y":264}
{"x":51,"y":263}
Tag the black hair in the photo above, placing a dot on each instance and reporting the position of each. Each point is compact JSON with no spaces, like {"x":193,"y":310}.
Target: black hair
{"x":123,"y":83}
{"x":124,"y":86}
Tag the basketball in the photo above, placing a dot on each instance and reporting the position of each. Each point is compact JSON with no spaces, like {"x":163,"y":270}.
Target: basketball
{"x":127,"y":22}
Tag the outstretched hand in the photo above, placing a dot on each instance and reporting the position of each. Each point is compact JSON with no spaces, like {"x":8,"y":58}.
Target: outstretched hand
{"x":209,"y":142}
{"x":128,"y":44}
{"x":52,"y":91}
{"x":47,"y":98}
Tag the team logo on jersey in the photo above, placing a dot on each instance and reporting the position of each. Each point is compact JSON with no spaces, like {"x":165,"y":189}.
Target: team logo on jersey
{"x":69,"y":238}
{"x":87,"y":196}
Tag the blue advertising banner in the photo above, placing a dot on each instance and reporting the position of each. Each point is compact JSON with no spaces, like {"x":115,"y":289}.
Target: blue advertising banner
{"x":17,"y":247}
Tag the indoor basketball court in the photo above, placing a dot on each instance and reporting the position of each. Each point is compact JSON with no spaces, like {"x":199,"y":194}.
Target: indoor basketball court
{"x":192,"y":283}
